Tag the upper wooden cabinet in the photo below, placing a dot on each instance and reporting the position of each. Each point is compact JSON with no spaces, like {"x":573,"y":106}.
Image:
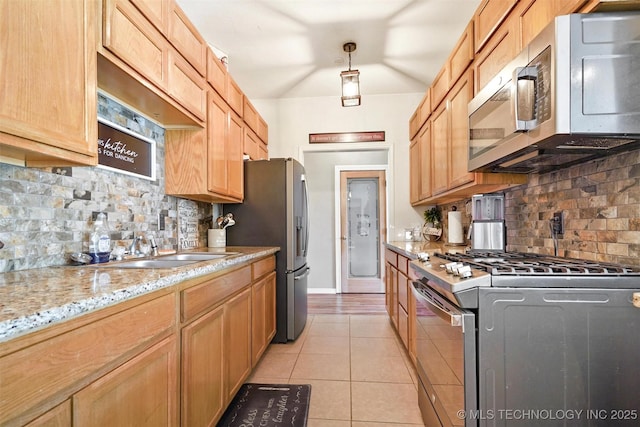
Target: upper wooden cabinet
{"x":186,"y":39}
{"x":206,"y":165}
{"x":488,"y":17}
{"x":156,"y":11}
{"x":216,"y":74}
{"x":235,"y":97}
{"x":48,"y":82}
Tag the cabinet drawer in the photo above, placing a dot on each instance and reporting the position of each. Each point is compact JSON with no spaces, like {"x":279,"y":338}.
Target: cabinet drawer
{"x":201,"y":297}
{"x":262,"y":267}
{"x":184,"y":36}
{"x":186,"y":86}
{"x":67,"y":360}
{"x":129,"y":36}
{"x":391,"y":257}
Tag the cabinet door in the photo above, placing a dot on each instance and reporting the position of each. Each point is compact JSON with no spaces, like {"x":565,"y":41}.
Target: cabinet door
{"x":203,"y":396}
{"x":133,"y":39}
{"x":439,"y":149}
{"x":263,"y":316}
{"x":217,"y":125}
{"x":216,"y":73}
{"x":186,"y":39}
{"x":156,"y":11}
{"x":60,"y":416}
{"x":141,"y":392}
{"x":187,"y":86}
{"x":48,"y":81}
{"x":459,"y":98}
{"x":424,"y":139}
{"x":488,"y":17}
{"x":237,"y":341}
{"x":414,"y":171}
{"x":235,"y":165}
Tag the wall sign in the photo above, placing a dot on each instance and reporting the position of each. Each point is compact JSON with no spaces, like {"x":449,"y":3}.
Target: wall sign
{"x":315,"y":138}
{"x":122,"y":150}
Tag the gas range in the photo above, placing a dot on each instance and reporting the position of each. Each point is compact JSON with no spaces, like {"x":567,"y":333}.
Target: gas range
{"x":457,"y":274}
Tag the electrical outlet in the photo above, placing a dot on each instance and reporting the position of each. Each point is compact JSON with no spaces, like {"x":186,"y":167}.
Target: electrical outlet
{"x":558,"y":223}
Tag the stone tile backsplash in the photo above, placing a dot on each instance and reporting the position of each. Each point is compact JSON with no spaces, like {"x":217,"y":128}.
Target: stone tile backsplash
{"x":46,"y":213}
{"x":600,"y":201}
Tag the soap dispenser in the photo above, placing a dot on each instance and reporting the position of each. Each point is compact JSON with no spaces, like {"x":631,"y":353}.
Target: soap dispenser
{"x":100,"y":240}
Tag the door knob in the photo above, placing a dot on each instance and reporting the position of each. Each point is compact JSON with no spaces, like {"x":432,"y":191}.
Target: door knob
{"x":343,"y":238}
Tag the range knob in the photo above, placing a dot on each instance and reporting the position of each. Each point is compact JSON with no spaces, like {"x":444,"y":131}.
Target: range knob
{"x":465,"y":272}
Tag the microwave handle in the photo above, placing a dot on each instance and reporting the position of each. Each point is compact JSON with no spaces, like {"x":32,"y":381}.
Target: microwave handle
{"x":530,"y":75}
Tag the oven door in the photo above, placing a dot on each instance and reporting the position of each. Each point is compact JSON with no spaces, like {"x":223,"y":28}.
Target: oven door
{"x":446,"y":360}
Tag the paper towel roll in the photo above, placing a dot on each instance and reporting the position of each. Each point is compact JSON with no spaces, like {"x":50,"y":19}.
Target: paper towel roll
{"x":455,"y":227}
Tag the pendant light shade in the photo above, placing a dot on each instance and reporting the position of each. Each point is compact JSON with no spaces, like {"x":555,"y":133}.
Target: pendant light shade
{"x":350,"y":81}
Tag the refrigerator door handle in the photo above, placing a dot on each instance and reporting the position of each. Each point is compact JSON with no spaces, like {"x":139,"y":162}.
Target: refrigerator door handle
{"x":303,"y":275}
{"x":306,"y":215}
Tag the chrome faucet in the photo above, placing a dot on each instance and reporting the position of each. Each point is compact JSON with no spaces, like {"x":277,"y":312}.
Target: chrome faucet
{"x":134,"y":249}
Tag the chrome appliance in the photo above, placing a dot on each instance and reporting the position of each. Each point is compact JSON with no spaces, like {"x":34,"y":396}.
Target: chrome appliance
{"x":511,"y":339}
{"x":570,"y":96}
{"x":487,"y":230}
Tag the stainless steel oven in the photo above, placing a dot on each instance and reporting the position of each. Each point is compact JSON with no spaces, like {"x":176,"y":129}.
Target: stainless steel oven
{"x":516,"y":339}
{"x":446,"y":359}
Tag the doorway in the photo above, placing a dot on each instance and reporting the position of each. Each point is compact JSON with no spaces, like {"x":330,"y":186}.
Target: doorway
{"x":362,"y":230}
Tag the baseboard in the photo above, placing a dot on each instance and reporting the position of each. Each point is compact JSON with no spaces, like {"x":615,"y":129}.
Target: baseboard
{"x":321,"y":291}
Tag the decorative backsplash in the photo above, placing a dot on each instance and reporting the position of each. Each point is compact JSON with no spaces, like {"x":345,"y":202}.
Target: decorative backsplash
{"x":46,"y":213}
{"x":600,"y":201}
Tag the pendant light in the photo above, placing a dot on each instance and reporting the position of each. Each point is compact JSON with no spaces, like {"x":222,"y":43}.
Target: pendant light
{"x":350,"y":81}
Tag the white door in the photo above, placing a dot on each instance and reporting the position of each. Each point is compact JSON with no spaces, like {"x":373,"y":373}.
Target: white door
{"x":362,"y":230}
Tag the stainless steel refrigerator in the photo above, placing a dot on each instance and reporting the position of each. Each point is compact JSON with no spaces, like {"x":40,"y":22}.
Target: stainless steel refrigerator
{"x":275,"y":213}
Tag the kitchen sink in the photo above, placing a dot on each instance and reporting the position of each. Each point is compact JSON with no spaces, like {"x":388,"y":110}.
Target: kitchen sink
{"x":147,"y":263}
{"x":193,"y":256}
{"x":167,"y":261}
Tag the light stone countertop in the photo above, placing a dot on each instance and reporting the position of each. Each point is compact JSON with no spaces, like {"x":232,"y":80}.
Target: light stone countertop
{"x":411,"y":249}
{"x":32,"y":299}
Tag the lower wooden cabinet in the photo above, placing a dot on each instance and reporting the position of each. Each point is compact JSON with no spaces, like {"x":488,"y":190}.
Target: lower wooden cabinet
{"x":263,"y":299}
{"x":237,"y":342}
{"x":141,"y":392}
{"x":144,"y":362}
{"x":400,"y":303}
{"x":203,"y":396}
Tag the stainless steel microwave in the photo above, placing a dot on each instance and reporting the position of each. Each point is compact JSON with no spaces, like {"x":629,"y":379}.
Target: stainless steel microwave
{"x":573,"y":94}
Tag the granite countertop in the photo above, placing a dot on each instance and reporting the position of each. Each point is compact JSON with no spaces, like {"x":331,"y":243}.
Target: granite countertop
{"x":31,"y":299}
{"x":411,"y":249}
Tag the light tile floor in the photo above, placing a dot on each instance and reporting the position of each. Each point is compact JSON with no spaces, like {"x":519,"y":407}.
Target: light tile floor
{"x":359,"y":372}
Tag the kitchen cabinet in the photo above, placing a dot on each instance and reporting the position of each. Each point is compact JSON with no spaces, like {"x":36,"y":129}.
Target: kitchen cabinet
{"x":400,"y":301}
{"x":136,"y":62}
{"x":60,"y":416}
{"x":48,"y":113}
{"x":78,"y":353}
{"x":141,"y":392}
{"x":186,"y":86}
{"x":186,"y":38}
{"x":439,"y":167}
{"x":206,"y":165}
{"x":488,"y":17}
{"x":415,"y":172}
{"x":237,"y":341}
{"x":263,"y":292}
{"x":253,"y":146}
{"x":203,"y":395}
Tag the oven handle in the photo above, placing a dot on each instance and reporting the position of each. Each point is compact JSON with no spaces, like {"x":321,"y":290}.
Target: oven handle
{"x":440,"y":307}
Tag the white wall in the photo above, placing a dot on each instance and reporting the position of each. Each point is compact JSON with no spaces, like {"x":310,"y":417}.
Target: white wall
{"x":292,"y":120}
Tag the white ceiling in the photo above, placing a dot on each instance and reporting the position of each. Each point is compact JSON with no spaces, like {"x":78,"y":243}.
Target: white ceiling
{"x":293,"y":48}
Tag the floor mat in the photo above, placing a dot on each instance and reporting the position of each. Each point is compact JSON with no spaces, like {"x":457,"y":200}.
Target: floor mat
{"x":268,"y":405}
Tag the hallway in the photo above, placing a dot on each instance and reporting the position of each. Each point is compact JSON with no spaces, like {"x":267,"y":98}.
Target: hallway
{"x":359,"y":373}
